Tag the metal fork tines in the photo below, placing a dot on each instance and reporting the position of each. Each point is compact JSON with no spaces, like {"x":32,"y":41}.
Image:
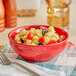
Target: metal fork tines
{"x":5,"y":61}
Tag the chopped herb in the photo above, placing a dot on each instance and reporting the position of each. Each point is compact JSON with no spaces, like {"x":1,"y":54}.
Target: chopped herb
{"x":33,"y":41}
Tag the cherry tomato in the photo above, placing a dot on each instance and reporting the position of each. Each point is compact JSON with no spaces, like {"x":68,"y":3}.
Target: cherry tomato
{"x":52,"y":42}
{"x":42,"y":39}
{"x":30,"y":36}
{"x":59,"y":40}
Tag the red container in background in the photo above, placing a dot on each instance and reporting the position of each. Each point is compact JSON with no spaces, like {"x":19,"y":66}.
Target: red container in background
{"x":10,"y":13}
{"x":2,"y":14}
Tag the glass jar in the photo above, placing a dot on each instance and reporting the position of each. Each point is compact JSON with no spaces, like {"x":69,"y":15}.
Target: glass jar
{"x":58,"y":17}
{"x":27,"y":7}
{"x":58,"y":13}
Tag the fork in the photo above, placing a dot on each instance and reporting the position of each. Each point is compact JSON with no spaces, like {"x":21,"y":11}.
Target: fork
{"x":6,"y":61}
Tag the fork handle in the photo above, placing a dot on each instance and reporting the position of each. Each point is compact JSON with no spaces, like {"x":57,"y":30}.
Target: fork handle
{"x":26,"y":68}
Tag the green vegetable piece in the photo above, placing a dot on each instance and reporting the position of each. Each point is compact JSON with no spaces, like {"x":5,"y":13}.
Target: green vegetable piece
{"x":33,"y":41}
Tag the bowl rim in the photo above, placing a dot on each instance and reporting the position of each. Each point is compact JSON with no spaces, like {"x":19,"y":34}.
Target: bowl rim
{"x":37,"y":45}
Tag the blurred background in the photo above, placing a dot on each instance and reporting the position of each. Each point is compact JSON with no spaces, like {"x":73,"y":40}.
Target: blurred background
{"x":39,"y":17}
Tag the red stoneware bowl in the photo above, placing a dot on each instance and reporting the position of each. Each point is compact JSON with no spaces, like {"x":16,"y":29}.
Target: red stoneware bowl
{"x":37,"y":53}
